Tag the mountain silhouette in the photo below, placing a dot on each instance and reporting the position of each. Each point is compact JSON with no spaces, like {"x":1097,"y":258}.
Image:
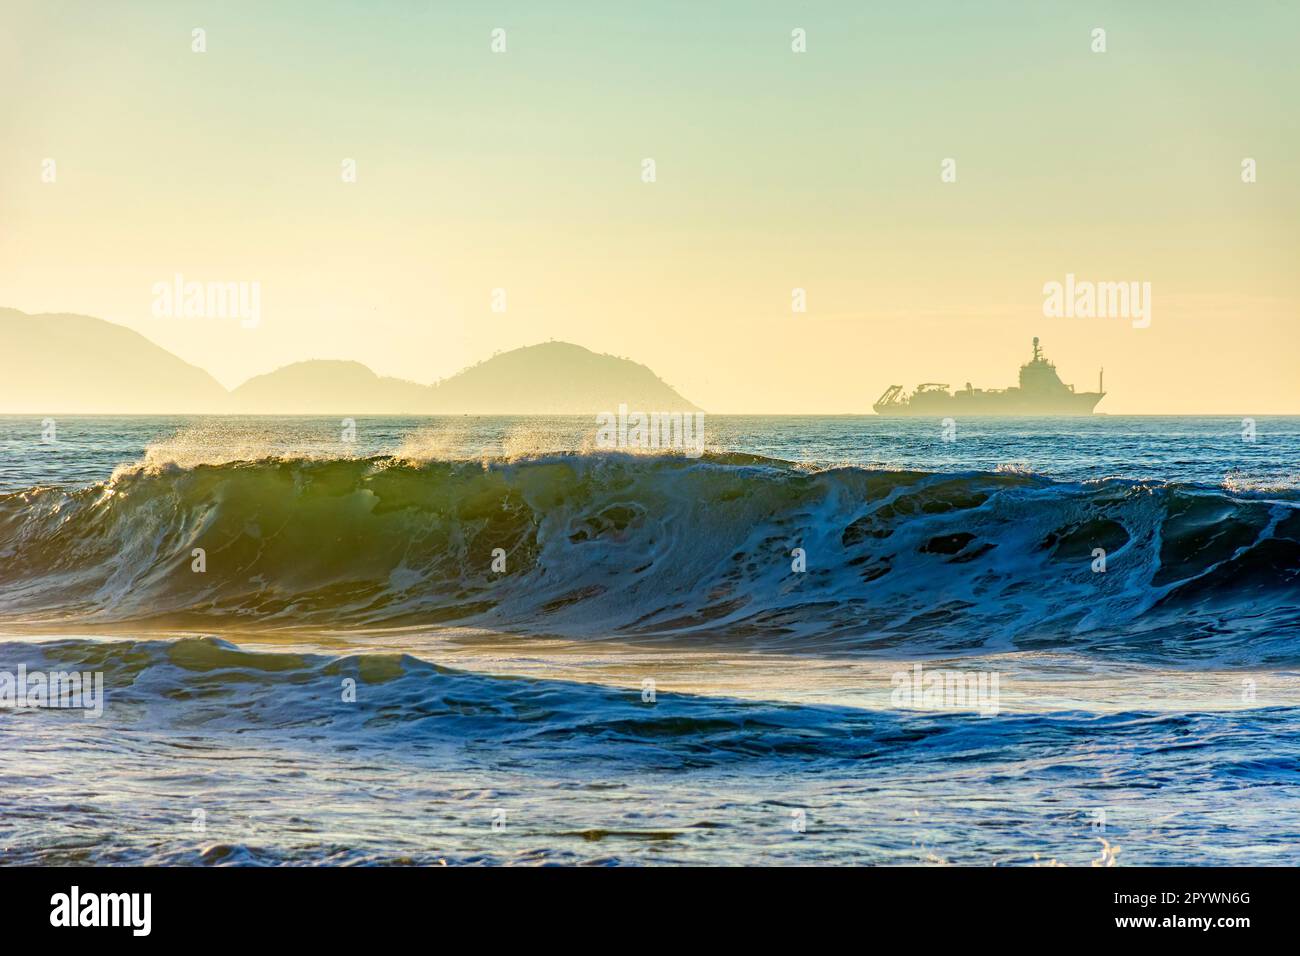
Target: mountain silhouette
{"x":78,"y":364}
{"x":327,"y":387}
{"x":60,"y":364}
{"x":555,"y":378}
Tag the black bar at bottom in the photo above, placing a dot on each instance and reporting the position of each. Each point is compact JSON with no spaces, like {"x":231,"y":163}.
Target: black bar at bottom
{"x":338,"y":905}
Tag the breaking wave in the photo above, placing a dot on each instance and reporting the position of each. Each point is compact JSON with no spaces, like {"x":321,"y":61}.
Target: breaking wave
{"x":667,"y":548}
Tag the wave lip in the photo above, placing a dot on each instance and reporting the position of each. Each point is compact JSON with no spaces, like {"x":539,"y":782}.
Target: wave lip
{"x":665,"y":546}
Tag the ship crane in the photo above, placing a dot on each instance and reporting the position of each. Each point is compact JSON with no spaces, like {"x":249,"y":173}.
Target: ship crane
{"x":890,"y":396}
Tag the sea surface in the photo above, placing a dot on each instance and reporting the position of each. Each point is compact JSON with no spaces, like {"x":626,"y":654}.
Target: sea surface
{"x":826,"y":640}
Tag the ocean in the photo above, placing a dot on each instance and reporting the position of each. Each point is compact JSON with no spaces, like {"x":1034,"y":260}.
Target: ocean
{"x":827,"y":640}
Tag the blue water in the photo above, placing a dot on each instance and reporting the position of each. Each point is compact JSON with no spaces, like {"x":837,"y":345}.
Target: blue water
{"x":653,"y":677}
{"x":1208,"y":449}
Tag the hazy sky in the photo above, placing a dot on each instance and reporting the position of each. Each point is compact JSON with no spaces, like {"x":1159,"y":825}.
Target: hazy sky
{"x":775,"y":170}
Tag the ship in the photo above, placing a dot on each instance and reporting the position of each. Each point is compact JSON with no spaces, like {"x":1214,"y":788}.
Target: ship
{"x":1041,"y":392}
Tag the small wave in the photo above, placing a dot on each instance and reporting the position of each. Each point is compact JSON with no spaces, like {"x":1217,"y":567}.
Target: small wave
{"x":400,"y":700}
{"x":1245,"y":484}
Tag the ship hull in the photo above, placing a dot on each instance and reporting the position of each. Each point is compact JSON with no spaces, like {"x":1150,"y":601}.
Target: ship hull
{"x":942,"y":405}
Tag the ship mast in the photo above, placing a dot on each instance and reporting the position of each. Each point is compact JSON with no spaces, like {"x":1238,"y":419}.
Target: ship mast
{"x":1038,"y":354}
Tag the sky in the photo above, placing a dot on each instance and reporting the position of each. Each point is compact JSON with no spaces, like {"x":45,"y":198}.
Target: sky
{"x":775,"y":170}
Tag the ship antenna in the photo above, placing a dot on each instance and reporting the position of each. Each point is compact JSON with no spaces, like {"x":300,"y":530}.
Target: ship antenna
{"x":1037,"y":353}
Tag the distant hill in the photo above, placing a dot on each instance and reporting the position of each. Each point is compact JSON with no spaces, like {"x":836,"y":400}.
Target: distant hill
{"x":66,"y":364}
{"x":555,"y":378}
{"x":74,"y":363}
{"x":323,"y":387}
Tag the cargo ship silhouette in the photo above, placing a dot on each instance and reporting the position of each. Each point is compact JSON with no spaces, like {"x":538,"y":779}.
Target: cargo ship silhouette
{"x":1041,"y":392}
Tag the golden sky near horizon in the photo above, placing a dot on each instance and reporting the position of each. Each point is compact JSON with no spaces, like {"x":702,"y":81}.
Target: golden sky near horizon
{"x":775,"y":170}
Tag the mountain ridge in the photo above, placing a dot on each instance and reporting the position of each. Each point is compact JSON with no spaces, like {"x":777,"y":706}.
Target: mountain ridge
{"x":65,"y":363}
